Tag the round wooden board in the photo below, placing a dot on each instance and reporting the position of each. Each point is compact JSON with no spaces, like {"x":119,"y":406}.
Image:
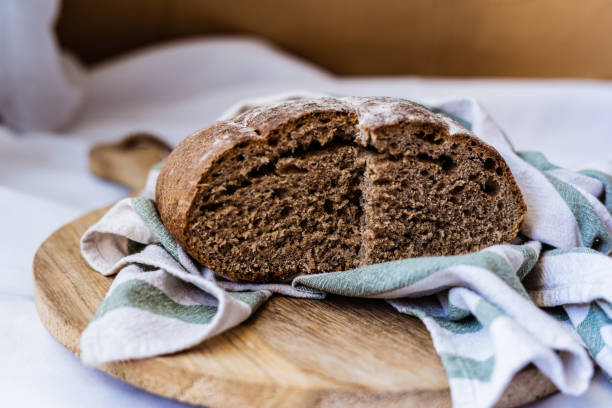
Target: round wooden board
{"x":292,"y":352}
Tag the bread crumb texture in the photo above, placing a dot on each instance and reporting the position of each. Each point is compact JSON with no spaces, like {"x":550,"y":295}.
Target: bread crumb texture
{"x":330,"y":184}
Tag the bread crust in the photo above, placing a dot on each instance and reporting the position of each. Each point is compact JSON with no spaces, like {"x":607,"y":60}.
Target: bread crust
{"x":181,"y":177}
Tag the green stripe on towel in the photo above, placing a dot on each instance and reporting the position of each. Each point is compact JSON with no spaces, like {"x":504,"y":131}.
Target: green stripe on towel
{"x":537,"y":160}
{"x":141,"y":295}
{"x":485,"y":312}
{"x":593,"y":231}
{"x":530,"y":258}
{"x":483,"y":316}
{"x":253,"y":299}
{"x":385,"y":277}
{"x":456,"y":313}
{"x":565,"y":251}
{"x":147,"y":210}
{"x":463,"y":326}
{"x":590,"y":329}
{"x":462,"y":367}
{"x":606,"y":180}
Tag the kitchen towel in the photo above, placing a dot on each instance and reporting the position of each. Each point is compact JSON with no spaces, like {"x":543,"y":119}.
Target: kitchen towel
{"x":536,"y":302}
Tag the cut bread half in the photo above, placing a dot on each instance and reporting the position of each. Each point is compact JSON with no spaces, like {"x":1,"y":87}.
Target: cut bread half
{"x":330,"y":184}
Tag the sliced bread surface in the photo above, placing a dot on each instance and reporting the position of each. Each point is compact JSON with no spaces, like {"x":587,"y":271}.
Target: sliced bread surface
{"x":330,"y":184}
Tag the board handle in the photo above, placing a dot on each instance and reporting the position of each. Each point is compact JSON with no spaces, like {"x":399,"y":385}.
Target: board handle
{"x":128,"y":161}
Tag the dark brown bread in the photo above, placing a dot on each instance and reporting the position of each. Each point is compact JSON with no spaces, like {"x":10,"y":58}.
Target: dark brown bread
{"x":322,"y":185}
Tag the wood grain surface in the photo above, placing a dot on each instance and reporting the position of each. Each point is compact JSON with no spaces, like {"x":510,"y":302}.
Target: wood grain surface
{"x":291,"y":353}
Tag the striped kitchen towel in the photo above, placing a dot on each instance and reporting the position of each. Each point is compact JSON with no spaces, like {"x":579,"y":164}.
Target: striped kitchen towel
{"x":547,"y":298}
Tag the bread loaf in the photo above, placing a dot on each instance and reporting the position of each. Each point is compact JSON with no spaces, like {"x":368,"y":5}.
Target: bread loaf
{"x":330,"y":184}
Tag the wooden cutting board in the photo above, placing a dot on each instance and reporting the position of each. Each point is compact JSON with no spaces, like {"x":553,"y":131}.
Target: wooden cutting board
{"x":292,"y":353}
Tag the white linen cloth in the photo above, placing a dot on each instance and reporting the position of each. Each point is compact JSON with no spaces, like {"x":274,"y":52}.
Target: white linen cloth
{"x":44,"y":180}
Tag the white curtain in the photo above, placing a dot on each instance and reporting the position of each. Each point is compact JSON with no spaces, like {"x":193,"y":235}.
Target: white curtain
{"x":41,"y":87}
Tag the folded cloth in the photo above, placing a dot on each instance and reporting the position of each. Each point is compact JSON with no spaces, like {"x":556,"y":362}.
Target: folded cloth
{"x":490,"y":313}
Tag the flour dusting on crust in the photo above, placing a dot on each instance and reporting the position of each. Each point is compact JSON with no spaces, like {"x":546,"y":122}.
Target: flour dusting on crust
{"x":371,"y":112}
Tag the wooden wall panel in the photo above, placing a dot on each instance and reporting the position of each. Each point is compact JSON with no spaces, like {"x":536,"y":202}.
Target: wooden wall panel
{"x":533,"y":38}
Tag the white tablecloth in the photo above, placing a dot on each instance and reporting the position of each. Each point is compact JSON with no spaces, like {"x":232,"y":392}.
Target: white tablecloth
{"x":172,"y":91}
